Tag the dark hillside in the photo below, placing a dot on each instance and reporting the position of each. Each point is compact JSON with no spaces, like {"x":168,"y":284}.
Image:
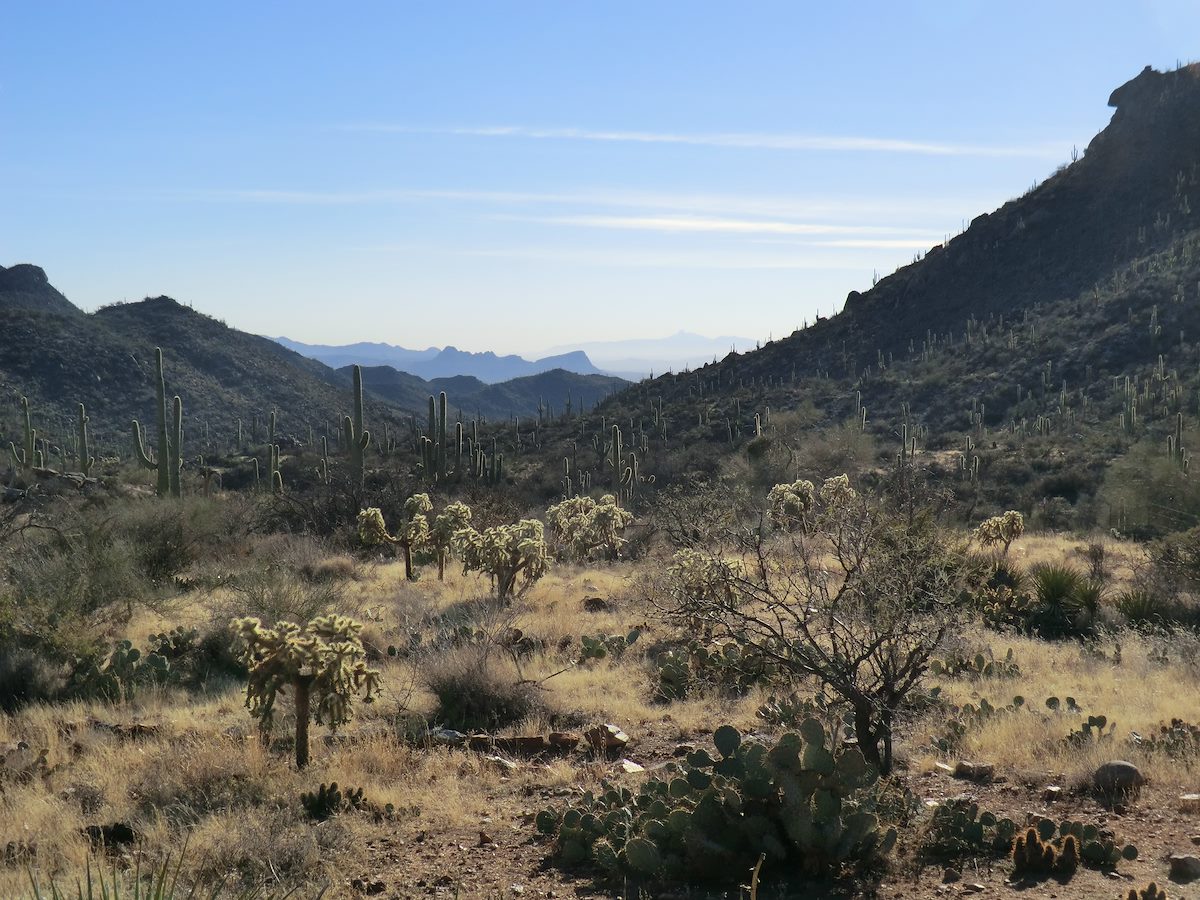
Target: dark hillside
{"x":1132,"y":192}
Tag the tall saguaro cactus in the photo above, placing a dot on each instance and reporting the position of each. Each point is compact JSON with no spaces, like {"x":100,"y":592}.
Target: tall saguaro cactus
{"x":85,"y":458}
{"x":168,"y":460}
{"x":354,"y":435}
{"x":28,"y":456}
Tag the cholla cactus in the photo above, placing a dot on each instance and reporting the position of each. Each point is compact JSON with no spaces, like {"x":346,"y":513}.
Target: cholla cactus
{"x":702,"y":579}
{"x":837,"y":492}
{"x":443,"y":534}
{"x":584,"y":525}
{"x":323,"y":661}
{"x":506,"y":551}
{"x":372,"y":531}
{"x":414,"y":533}
{"x":788,"y":505}
{"x":1001,"y":530}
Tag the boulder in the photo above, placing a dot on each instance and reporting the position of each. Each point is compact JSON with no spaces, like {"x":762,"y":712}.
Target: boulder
{"x":1184,"y":867}
{"x":1117,"y":778}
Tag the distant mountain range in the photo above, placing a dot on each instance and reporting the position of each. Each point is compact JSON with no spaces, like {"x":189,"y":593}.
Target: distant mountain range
{"x":446,"y":362}
{"x":640,"y":357}
{"x":631,"y":359}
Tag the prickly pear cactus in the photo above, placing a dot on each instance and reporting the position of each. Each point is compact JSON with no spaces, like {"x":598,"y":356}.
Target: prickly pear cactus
{"x":801,"y":803}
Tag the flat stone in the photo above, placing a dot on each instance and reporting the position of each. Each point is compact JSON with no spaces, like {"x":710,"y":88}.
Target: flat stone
{"x":1189,"y":803}
{"x":973,"y":888}
{"x":629,"y":767}
{"x":1184,"y":867}
{"x":1052,"y":792}
{"x":944,"y":768}
{"x":564,"y":740}
{"x":972,"y":771}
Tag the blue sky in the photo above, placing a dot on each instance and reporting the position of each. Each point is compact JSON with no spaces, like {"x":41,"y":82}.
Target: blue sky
{"x":513,"y":176}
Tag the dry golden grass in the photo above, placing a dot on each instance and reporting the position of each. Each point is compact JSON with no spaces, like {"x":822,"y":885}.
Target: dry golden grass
{"x":204,"y":778}
{"x":1138,"y":693}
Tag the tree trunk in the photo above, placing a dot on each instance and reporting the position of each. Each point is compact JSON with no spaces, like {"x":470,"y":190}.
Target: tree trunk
{"x":441,"y":565}
{"x":408,"y":562}
{"x":302,"y":717}
{"x":869,"y":736}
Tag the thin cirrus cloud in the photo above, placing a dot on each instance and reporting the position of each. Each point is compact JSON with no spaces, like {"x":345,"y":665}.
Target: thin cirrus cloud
{"x":721,"y":225}
{"x":683,"y":202}
{"x":735,"y":140}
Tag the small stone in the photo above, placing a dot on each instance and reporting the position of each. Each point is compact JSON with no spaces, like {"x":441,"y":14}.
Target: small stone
{"x":596,"y":604}
{"x":944,"y":768}
{"x":629,"y":767}
{"x":1196,"y":839}
{"x":448,"y":737}
{"x":504,"y":765}
{"x":951,"y":875}
{"x":1184,"y":867}
{"x":973,"y":888}
{"x":1189,"y":803}
{"x":485,"y":839}
{"x":607,"y":738}
{"x":974,"y":771}
{"x":1051,"y":792}
{"x":683,"y":750}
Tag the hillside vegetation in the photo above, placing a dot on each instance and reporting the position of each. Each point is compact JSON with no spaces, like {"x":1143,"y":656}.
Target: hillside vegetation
{"x":904,"y":616}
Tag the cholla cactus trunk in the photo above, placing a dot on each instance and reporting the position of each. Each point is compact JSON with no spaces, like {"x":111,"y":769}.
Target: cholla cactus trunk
{"x":82,"y":448}
{"x":303,"y":715}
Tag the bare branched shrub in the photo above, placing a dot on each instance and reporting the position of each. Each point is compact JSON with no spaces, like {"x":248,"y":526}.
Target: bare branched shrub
{"x":859,"y":600}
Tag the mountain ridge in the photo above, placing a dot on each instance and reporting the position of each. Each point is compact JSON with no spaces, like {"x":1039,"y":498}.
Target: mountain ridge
{"x":445,"y":362}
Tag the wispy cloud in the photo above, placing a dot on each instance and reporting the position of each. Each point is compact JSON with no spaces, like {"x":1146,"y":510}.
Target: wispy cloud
{"x":736,"y":140}
{"x":650,"y":260}
{"x":680,"y":224}
{"x":832,"y":209}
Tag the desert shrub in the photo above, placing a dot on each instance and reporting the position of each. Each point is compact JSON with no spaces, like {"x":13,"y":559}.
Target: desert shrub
{"x":276,"y":594}
{"x":267,"y":846}
{"x":477,"y":690}
{"x":867,"y":630}
{"x":188,"y":780}
{"x":331,"y":568}
{"x":28,"y":676}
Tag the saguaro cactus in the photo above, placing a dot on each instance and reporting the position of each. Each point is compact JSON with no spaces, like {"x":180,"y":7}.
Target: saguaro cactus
{"x":28,"y":456}
{"x":168,"y":461}
{"x":83,"y":450}
{"x":354,"y":435}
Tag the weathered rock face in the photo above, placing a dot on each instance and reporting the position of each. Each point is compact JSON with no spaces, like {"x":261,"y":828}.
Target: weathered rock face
{"x":25,"y":286}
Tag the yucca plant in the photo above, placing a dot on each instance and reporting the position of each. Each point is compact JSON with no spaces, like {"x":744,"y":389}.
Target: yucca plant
{"x":1067,"y":602}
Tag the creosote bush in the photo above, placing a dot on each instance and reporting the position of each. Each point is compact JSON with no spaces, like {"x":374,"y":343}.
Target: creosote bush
{"x":860,"y":598}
